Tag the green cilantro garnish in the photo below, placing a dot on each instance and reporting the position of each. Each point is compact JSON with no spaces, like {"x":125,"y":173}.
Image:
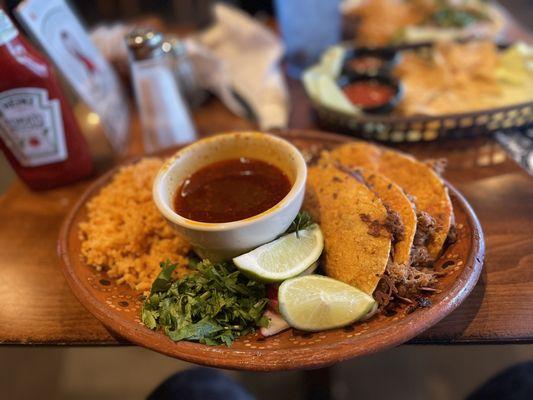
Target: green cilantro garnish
{"x":302,"y":221}
{"x":214,"y":305}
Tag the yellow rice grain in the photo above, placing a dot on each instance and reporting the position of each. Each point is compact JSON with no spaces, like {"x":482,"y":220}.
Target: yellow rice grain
{"x":125,"y":234}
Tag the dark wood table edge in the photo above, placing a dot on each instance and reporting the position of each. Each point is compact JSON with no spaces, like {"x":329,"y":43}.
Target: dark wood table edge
{"x":414,"y":342}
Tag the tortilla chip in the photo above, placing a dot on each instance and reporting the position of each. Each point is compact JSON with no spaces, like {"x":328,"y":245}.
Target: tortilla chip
{"x":462,"y":77}
{"x":356,"y":252}
{"x":414,"y":177}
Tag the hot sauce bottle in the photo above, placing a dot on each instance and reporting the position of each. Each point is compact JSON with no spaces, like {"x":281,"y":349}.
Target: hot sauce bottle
{"x":38,"y":132}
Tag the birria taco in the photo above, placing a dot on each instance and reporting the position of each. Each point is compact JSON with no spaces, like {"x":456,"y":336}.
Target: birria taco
{"x":424,"y":186}
{"x":352,"y":219}
{"x":384,"y":227}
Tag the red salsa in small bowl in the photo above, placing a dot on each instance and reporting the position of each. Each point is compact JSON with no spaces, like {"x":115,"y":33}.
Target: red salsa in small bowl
{"x":373,"y":94}
{"x":369,"y":93}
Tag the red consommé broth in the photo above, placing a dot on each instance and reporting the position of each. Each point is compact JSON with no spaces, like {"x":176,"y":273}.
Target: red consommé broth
{"x":231,"y":190}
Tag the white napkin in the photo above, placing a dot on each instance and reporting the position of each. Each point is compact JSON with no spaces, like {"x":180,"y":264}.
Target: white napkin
{"x":240,"y":54}
{"x":237,"y":54}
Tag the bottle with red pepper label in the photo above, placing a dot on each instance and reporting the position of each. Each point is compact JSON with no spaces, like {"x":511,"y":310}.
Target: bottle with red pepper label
{"x":38,"y":132}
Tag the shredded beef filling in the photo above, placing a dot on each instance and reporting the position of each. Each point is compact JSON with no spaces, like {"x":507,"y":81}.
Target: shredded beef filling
{"x":402,"y":282}
{"x":394,"y":224}
{"x":425,"y":229}
{"x":406,"y":282}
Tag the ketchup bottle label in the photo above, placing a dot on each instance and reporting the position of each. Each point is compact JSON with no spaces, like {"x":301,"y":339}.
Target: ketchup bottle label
{"x":32,"y":127}
{"x":7,"y":30}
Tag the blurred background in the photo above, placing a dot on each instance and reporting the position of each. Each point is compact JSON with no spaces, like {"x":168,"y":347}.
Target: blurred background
{"x":187,"y":16}
{"x":407,"y":372}
{"x":196,"y":12}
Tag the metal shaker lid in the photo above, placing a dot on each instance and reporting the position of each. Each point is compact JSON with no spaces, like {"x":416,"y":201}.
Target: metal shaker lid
{"x":145,"y":43}
{"x":177,"y":45}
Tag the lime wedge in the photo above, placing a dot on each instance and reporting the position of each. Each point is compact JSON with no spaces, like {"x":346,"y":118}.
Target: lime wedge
{"x":315,"y":303}
{"x":283,"y":258}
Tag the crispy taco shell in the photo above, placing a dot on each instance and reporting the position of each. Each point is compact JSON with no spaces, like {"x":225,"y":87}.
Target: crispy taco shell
{"x":352,"y":219}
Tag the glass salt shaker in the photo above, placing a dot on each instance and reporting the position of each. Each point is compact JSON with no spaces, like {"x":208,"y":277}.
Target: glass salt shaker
{"x":186,"y":75}
{"x":164,"y":114}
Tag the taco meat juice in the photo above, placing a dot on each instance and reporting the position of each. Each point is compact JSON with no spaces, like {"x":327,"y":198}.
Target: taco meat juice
{"x":231,"y":190}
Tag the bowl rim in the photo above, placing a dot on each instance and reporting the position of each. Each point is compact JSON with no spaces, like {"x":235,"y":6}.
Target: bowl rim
{"x":168,"y":212}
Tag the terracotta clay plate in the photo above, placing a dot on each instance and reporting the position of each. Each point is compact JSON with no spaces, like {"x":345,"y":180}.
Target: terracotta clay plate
{"x":118,"y":307}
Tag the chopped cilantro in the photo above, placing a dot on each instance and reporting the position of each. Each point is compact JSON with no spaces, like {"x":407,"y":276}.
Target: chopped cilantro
{"x":214,"y":305}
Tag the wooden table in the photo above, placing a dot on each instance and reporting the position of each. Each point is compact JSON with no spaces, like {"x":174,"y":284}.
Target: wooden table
{"x":37,"y":307}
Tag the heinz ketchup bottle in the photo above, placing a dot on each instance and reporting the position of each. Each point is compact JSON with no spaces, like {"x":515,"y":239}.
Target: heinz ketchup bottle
{"x":38,"y":132}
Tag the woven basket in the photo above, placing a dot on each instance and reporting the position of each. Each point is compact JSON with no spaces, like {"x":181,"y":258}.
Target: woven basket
{"x":426,"y":128}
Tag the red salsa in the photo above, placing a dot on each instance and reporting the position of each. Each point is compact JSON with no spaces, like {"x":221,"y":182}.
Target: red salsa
{"x":231,"y":190}
{"x":369,"y":93}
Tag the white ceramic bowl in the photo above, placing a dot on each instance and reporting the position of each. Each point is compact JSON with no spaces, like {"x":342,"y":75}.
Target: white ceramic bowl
{"x":218,"y":241}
